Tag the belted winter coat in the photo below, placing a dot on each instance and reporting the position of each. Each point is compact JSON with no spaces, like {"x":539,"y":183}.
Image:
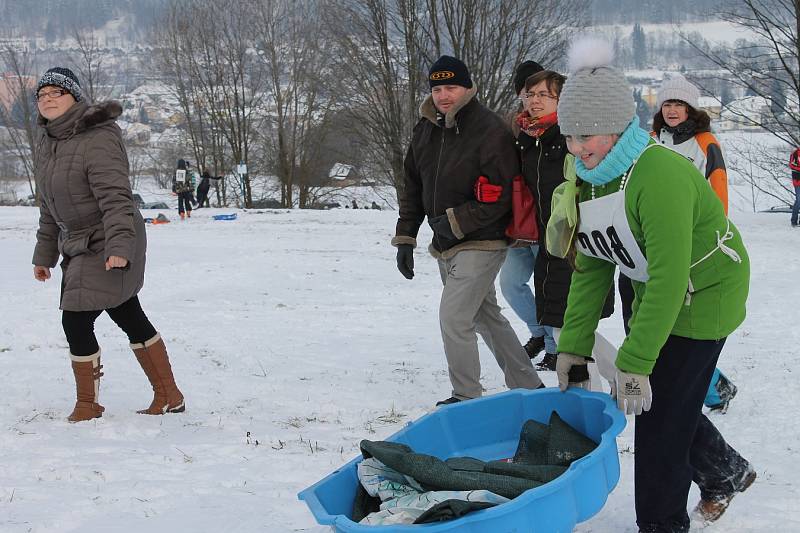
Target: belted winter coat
{"x":446,"y":157}
{"x":87,"y":212}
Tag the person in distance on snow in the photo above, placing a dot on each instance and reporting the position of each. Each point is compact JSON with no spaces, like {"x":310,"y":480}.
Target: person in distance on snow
{"x":794,"y":166}
{"x":87,"y":216}
{"x":203,"y":187}
{"x":182,"y":185}
{"x":459,"y":150}
{"x":647,"y":210}
{"x":680,"y":125}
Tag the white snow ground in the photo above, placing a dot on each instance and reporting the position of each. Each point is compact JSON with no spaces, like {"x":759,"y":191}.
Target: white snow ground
{"x":295,"y":328}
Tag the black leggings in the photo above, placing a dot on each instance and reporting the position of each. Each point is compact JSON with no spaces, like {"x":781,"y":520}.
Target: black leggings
{"x":79,"y":326}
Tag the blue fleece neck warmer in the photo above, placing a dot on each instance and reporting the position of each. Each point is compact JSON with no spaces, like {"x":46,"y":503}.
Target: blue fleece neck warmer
{"x":619,"y":159}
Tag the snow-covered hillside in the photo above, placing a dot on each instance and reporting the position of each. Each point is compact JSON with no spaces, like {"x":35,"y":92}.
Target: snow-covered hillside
{"x":293,"y":337}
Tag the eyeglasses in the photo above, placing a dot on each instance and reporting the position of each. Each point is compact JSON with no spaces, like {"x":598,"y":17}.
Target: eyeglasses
{"x":540,"y":95}
{"x":55,"y":93}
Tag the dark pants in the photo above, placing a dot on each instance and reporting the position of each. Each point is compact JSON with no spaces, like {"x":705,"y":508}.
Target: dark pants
{"x":202,"y":198}
{"x":79,"y":326}
{"x":796,"y":206}
{"x":185,"y":202}
{"x":626,"y":296}
{"x":675,"y":443}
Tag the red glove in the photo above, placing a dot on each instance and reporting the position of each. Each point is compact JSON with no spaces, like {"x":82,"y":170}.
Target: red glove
{"x":486,"y":192}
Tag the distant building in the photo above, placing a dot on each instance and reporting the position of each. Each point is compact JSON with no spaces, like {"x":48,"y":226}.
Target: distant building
{"x":343,"y":175}
{"x":711,"y":105}
{"x":744,"y":114}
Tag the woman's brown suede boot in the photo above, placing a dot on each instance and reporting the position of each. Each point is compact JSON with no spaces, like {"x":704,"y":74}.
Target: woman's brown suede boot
{"x":87,"y":382}
{"x":152,"y":355}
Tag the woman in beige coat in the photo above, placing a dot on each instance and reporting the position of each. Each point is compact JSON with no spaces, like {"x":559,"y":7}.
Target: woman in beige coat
{"x":87,"y":216}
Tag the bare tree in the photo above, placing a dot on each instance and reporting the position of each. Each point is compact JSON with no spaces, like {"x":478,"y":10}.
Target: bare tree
{"x":19,"y":113}
{"x":494,"y":36}
{"x":380,"y":60}
{"x":388,"y":45}
{"x":767,"y":67}
{"x":93,"y":75}
{"x":207,"y":53}
{"x":300,"y":96}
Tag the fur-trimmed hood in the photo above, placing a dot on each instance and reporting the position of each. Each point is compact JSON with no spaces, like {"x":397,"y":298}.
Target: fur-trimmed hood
{"x":428,"y":110}
{"x":81,"y":117}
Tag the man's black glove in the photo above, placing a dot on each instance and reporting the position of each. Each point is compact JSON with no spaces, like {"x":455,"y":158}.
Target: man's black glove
{"x":405,"y":260}
{"x":441,"y":227}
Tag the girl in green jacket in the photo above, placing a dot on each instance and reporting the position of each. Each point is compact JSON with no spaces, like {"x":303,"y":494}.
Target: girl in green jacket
{"x":647,"y":210}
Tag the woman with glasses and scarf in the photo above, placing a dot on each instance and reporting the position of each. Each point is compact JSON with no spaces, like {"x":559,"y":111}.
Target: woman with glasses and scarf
{"x":87,"y":216}
{"x":542,"y":151}
{"x":642,"y":208}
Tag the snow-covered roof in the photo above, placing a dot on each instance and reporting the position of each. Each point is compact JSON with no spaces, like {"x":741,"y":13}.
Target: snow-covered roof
{"x":340,"y":171}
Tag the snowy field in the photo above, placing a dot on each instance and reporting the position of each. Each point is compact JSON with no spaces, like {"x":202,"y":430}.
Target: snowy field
{"x":293,"y":337}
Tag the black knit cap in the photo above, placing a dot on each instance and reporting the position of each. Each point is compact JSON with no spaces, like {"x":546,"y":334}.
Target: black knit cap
{"x":449,"y":71}
{"x":64,"y":78}
{"x":525,"y":70}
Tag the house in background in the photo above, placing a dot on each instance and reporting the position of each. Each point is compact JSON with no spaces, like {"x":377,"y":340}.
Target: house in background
{"x":343,"y":175}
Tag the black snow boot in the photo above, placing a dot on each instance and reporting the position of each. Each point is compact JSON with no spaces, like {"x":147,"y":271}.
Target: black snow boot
{"x":548,"y":363}
{"x":450,"y":400}
{"x":534,"y":346}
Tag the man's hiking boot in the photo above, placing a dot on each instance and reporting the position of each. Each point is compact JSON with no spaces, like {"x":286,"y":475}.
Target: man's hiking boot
{"x":450,"y":400}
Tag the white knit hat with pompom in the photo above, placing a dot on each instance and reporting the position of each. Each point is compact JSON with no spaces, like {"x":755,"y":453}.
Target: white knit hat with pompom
{"x":596,"y":98}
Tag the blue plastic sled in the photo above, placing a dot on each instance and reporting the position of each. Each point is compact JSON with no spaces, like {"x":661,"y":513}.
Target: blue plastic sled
{"x":232,"y":216}
{"x":489,"y":429}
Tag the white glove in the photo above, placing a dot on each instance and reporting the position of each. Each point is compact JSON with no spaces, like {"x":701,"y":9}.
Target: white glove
{"x":571,"y":371}
{"x":632,"y":390}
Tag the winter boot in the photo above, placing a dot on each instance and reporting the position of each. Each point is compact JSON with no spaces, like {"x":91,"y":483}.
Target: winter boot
{"x":87,"y":371}
{"x":720,"y":393}
{"x":152,"y":356}
{"x":548,"y":363}
{"x":710,"y":510}
{"x":534,"y":346}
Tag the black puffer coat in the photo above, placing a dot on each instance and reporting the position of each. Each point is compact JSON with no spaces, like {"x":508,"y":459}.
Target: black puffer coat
{"x":543,"y":168}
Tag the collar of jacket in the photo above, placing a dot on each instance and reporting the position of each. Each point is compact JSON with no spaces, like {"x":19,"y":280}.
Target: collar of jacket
{"x":682,"y":132}
{"x":552,"y":134}
{"x":428,"y":110}
{"x":80,"y":117}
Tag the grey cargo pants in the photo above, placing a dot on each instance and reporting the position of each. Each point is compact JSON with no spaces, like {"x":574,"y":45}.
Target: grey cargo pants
{"x":469,"y":305}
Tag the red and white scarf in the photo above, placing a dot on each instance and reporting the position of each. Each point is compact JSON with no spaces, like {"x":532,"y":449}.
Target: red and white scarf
{"x":535,"y":128}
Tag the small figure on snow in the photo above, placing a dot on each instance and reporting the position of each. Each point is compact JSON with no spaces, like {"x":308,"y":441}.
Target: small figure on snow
{"x":794,"y":166}
{"x":203,"y":187}
{"x":183,"y":186}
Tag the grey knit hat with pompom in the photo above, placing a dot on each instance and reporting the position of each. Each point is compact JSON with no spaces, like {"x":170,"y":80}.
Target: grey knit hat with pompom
{"x":596,"y":98}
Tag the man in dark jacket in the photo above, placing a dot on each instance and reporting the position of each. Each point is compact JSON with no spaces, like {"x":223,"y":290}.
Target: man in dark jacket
{"x":459,"y":169}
